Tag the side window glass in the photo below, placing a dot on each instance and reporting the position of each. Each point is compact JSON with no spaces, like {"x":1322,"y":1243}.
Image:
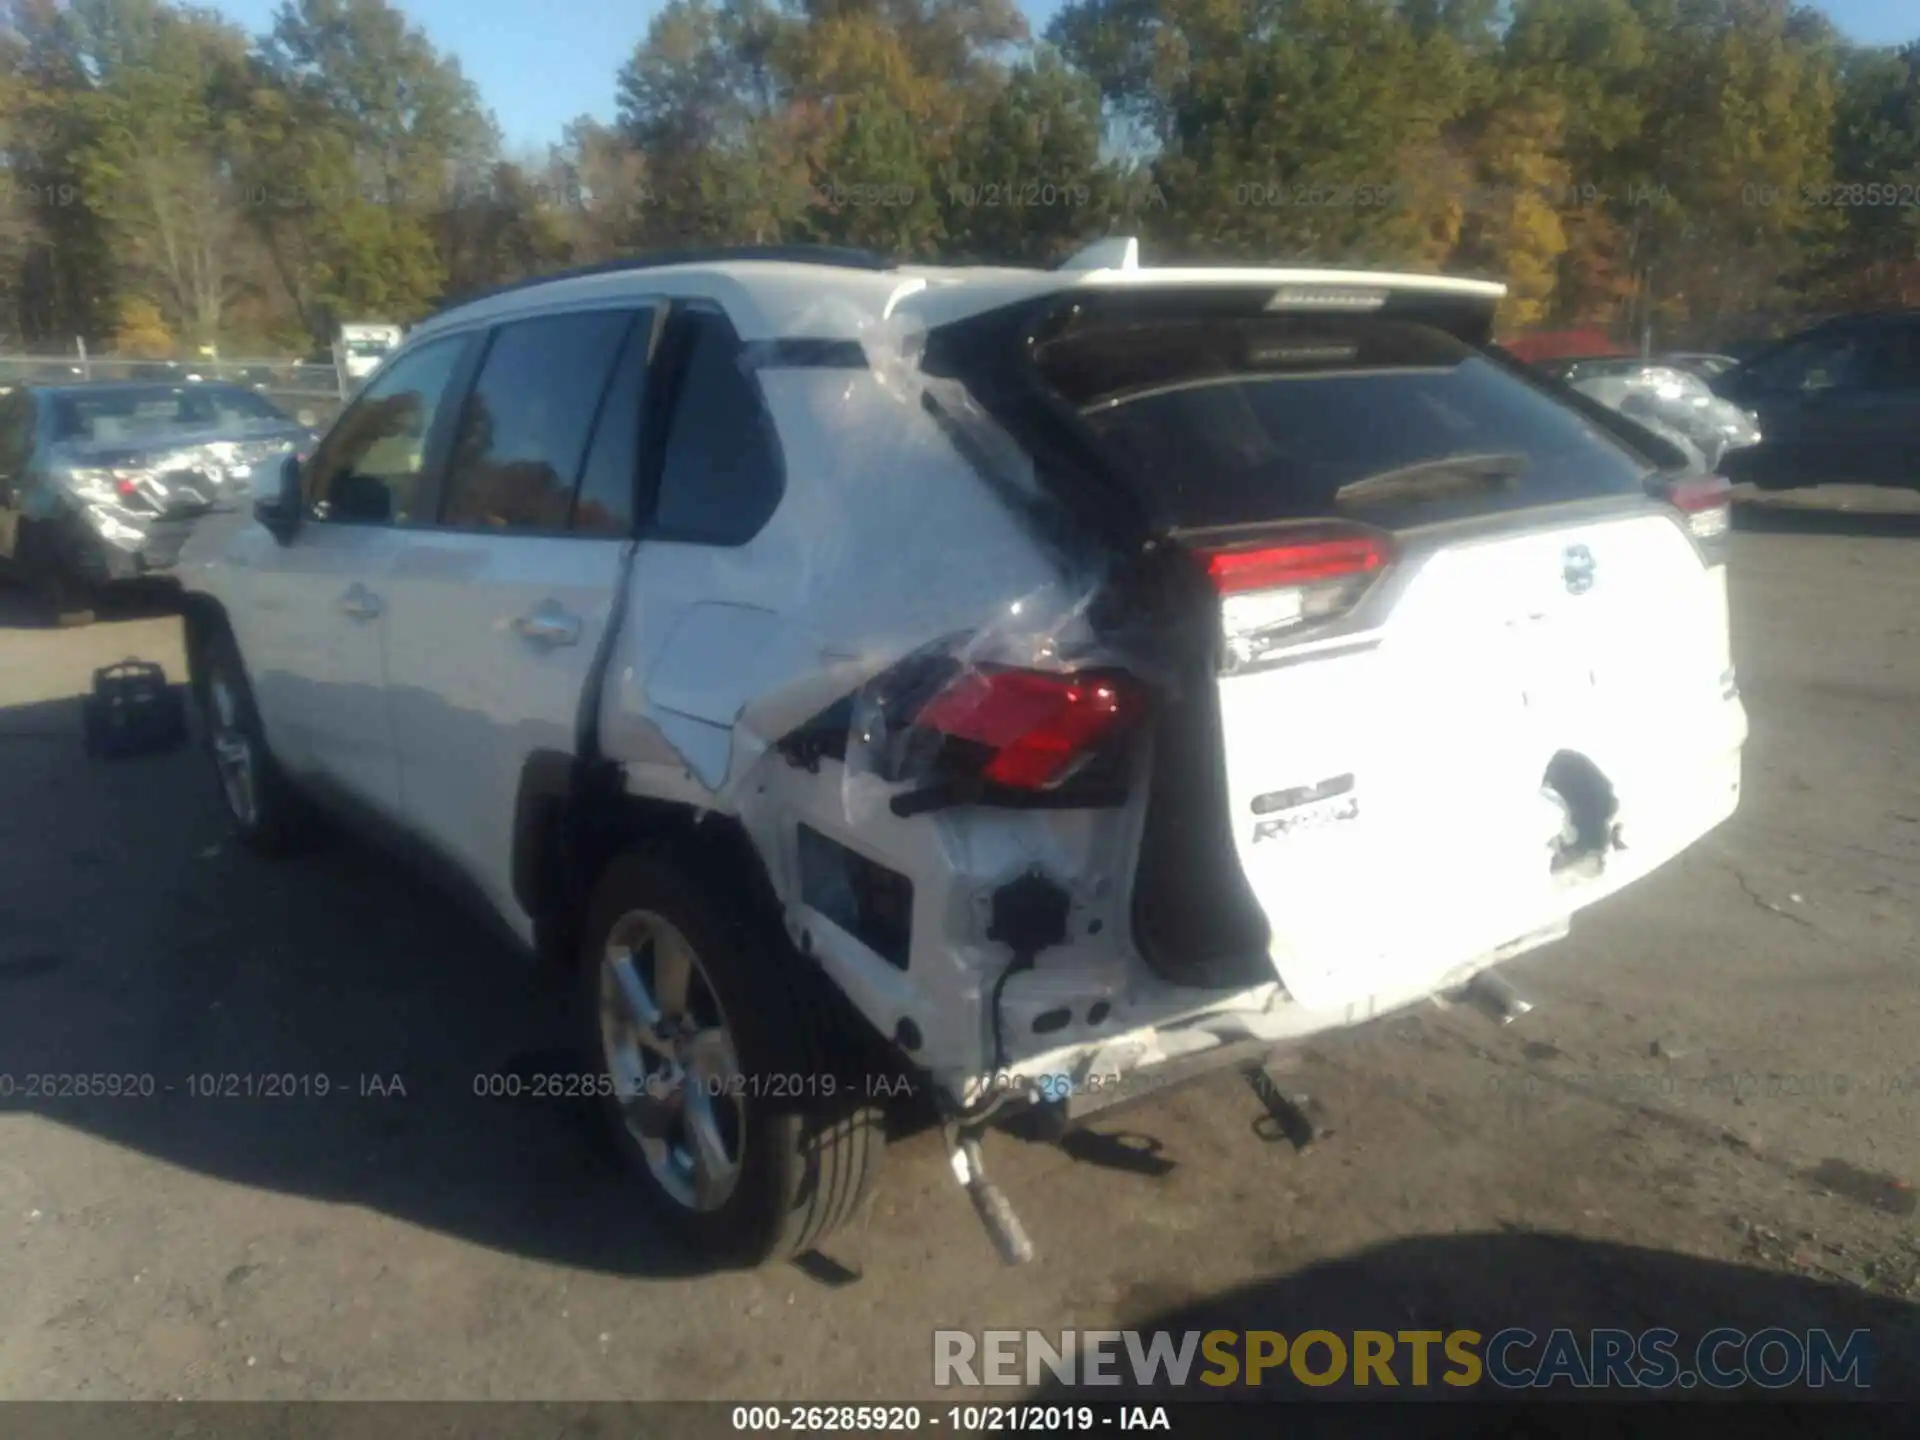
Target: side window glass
{"x":605,"y":503}
{"x":722,"y":476}
{"x":1895,"y":363}
{"x":524,"y":429}
{"x":1822,"y":363}
{"x":368,"y":469}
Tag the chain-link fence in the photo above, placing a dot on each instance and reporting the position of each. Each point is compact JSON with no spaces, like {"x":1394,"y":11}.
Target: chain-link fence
{"x":309,"y":393}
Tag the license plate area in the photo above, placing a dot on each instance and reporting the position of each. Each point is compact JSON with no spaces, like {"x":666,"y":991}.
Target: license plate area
{"x":1555,"y":658}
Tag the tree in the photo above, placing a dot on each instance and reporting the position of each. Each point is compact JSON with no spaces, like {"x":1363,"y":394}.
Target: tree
{"x":695,"y":100}
{"x":1875,"y":257}
{"x":62,"y":285}
{"x":1511,"y":217}
{"x":1287,"y":129}
{"x":142,"y":331}
{"x":609,"y":179}
{"x":1027,"y":183}
{"x":356,"y":131}
{"x":514,"y":224}
{"x":152,"y":167}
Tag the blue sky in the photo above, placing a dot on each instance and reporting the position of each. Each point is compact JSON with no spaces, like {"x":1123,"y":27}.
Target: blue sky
{"x":540,"y":66}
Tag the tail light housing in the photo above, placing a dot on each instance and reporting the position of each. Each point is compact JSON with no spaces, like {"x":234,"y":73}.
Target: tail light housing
{"x":995,"y":734}
{"x":1706,"y":504}
{"x":1273,"y":588}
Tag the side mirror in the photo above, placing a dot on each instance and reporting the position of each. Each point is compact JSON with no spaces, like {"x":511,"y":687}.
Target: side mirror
{"x":276,"y":498}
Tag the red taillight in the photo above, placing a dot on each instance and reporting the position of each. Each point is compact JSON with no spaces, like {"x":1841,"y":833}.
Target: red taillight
{"x":125,"y":487}
{"x":1305,"y":559}
{"x":1038,"y":725}
{"x":1707,"y":502}
{"x":1305,"y":575}
{"x":1708,"y":492}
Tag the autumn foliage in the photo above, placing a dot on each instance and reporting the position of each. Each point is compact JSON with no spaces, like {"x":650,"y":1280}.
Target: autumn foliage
{"x":1703,"y":167}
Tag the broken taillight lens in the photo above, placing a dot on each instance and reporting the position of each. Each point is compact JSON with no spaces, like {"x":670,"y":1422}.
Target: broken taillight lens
{"x":1029,"y":729}
{"x":1269,"y":588}
{"x":1706,"y":502}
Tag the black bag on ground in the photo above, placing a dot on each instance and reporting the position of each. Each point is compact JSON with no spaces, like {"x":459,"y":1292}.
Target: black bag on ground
{"x":133,"y":711}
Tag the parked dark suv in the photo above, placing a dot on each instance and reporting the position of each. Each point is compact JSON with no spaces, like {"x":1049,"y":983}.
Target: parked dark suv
{"x":1839,"y":403}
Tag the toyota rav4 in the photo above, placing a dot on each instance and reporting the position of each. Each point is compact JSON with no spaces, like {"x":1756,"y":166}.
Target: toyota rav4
{"x":1038,"y":685}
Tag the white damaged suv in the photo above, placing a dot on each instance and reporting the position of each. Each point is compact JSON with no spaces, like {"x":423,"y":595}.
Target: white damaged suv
{"x":1039,"y":685}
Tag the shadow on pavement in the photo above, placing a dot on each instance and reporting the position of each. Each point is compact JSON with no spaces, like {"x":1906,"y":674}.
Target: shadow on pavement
{"x":21,"y":609}
{"x":327,"y":1028}
{"x":1491,"y":1282}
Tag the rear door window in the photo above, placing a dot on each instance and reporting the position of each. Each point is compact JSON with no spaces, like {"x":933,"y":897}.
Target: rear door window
{"x":605,"y":505}
{"x":1232,"y":422}
{"x":722,"y":475}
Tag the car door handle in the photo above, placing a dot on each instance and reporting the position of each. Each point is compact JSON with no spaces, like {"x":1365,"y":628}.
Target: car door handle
{"x":548,"y":624}
{"x":360,"y":603}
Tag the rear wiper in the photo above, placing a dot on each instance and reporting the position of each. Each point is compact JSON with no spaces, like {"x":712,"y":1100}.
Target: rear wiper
{"x":1435,"y":479}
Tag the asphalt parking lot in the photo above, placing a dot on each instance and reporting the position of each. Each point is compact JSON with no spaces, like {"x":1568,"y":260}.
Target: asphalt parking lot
{"x":1712,"y":1115}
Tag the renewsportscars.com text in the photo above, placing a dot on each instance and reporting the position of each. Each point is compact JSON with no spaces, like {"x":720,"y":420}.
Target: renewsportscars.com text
{"x":1373,"y":1360}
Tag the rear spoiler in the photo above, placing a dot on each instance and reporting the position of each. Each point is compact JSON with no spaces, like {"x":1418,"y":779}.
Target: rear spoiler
{"x":1109,"y":272}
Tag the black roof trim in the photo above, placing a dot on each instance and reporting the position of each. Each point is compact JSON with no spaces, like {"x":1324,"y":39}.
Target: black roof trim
{"x":843,"y":257}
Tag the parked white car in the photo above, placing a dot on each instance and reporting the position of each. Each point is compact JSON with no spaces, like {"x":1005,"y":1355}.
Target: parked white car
{"x":1030,"y":685}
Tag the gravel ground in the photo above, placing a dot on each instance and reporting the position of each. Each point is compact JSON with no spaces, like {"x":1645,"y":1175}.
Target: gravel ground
{"x":1712,"y":1116}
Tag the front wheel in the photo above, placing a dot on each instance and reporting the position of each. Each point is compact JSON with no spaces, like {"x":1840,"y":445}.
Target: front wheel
{"x":267,"y":813}
{"x":721,"y":1066}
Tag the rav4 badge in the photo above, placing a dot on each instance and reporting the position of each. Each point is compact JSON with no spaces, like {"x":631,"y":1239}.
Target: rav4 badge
{"x":1346,"y":808}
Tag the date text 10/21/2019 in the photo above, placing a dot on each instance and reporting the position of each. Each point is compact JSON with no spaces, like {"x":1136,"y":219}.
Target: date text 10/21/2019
{"x":227,"y":1085}
{"x":958,"y":1419}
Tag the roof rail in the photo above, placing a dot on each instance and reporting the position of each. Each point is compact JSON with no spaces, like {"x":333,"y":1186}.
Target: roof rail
{"x":840,"y":256}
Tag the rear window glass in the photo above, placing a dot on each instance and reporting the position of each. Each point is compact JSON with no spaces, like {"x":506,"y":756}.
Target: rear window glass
{"x":105,"y":416}
{"x":1293,"y":417}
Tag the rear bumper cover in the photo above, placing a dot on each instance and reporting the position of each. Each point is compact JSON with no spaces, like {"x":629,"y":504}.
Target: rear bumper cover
{"x":1081,"y":1080}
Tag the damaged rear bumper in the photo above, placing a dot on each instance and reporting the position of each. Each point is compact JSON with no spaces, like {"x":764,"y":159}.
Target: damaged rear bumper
{"x":1077,"y":1081}
{"x":1089,"y":1078}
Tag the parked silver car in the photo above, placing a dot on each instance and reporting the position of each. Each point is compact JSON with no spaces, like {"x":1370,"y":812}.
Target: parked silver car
{"x":1675,"y":404}
{"x":102,"y":482}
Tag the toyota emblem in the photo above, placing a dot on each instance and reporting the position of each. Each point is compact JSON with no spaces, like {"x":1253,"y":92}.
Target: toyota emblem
{"x":1576,"y":568}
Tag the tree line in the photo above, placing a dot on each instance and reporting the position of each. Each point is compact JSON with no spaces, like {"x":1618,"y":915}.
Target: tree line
{"x":171,"y":181}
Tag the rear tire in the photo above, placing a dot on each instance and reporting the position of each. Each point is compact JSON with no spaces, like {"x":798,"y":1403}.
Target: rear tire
{"x":792,"y":1144}
{"x":269,"y":816}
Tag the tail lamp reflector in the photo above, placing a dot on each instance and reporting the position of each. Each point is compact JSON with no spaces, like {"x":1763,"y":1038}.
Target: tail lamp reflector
{"x":1269,"y":587}
{"x":1706,"y":502}
{"x":1038,"y":725}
